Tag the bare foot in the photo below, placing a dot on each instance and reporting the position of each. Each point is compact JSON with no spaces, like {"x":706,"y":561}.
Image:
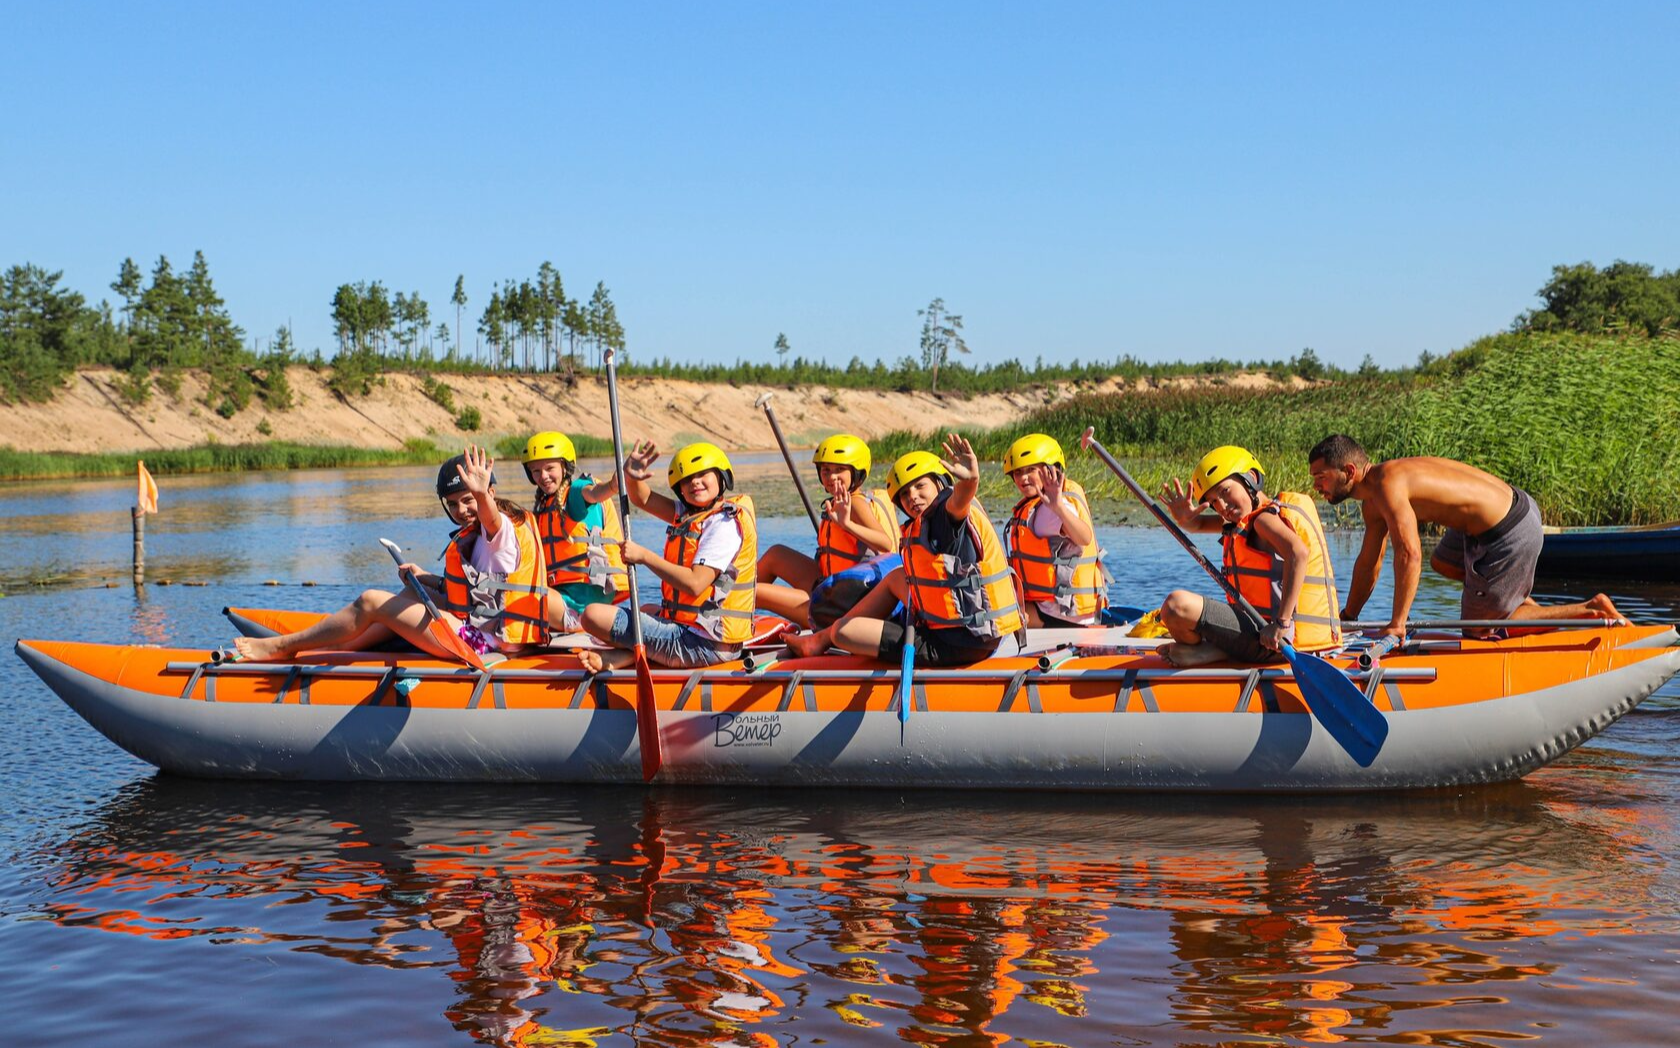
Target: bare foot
{"x":1600,"y":605}
{"x":260,"y":649}
{"x":590,"y":661}
{"x":1184,"y":656}
{"x":806,"y":645}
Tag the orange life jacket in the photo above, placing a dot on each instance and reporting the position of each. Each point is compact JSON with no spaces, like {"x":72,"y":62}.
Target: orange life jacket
{"x":838,"y":549}
{"x":725,"y":609}
{"x":947,"y":592}
{"x":513,"y":606}
{"x":1257,"y":573}
{"x":576,"y":553}
{"x":1053,"y":570}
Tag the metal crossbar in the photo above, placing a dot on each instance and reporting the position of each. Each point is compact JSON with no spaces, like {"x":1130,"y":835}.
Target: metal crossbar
{"x":997,"y":676}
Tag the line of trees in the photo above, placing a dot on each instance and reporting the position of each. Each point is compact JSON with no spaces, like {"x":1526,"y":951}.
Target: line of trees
{"x":528,"y":325}
{"x":169,"y":321}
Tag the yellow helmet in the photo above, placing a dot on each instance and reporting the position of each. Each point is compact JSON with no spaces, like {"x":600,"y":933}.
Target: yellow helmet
{"x":1032,"y":450}
{"x":1219,"y":464}
{"x":691,"y":459}
{"x":915,"y":465}
{"x":548,"y":445}
{"x":843,"y":449}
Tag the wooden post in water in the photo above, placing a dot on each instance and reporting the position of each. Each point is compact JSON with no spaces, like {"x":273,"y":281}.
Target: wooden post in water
{"x":139,"y":546}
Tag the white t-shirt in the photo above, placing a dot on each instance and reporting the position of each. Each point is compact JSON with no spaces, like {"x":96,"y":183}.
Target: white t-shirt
{"x":718,"y":546}
{"x":719,"y":543}
{"x":499,"y":554}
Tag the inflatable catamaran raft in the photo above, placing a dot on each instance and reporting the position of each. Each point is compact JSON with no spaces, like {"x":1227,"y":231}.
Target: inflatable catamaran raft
{"x":1092,"y":710}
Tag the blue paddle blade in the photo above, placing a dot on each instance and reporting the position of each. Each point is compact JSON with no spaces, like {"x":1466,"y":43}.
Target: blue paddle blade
{"x":1340,"y":706}
{"x":1120,"y":615}
{"x":906,"y":671}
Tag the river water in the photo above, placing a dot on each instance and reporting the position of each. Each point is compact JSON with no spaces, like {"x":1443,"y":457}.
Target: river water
{"x":137,"y":908}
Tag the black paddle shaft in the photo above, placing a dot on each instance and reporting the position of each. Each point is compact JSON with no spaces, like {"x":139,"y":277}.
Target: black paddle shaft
{"x":1177,"y":532}
{"x":623,"y":493}
{"x":787,"y":456}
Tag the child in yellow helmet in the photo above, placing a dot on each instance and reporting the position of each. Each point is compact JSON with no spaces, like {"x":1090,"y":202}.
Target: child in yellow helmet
{"x":1052,"y":542}
{"x":857,"y":523}
{"x":579,"y":527}
{"x":707,"y":572}
{"x":1275,"y":556}
{"x":955,"y":583}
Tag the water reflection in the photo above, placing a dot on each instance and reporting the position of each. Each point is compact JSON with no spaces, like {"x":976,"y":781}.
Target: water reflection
{"x":735,"y":917}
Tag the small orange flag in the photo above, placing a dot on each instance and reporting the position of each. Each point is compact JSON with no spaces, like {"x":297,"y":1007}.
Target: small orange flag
{"x":146,"y":493}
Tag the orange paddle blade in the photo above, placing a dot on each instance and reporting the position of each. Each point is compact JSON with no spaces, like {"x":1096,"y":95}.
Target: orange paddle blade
{"x":453,"y":643}
{"x":647,"y":718}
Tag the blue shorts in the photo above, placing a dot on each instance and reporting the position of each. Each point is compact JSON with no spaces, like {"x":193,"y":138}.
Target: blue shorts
{"x":671,"y":644}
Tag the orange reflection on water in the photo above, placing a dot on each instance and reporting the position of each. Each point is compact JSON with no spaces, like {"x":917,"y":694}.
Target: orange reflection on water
{"x":715,"y":917}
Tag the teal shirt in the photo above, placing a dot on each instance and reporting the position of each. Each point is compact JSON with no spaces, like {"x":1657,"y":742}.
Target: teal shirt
{"x":579,"y":595}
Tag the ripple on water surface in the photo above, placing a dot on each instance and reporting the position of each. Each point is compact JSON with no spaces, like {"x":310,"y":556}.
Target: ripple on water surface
{"x":137,"y":908}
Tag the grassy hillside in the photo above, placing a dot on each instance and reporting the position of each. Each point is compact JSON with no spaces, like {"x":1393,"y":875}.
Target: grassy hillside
{"x":1590,"y":425}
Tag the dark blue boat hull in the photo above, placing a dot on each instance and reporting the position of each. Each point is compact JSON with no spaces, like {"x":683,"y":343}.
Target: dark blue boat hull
{"x":1653,"y":553}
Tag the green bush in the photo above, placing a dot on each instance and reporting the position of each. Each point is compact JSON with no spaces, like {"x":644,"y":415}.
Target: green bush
{"x":135,"y":387}
{"x":169,"y":380}
{"x":469,"y":419}
{"x":439,"y":393}
{"x":275,"y":389}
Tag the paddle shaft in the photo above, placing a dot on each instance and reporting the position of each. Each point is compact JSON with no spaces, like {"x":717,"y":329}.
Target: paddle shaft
{"x":787,"y":456}
{"x":623,"y":491}
{"x":1178,"y":533}
{"x":413,"y":583}
{"x":647,"y":713}
{"x":450,"y":639}
{"x":1485,"y":624}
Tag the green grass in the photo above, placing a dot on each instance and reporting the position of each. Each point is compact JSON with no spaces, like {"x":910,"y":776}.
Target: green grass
{"x":228,"y":458}
{"x":210,"y":458}
{"x":1589,"y":425}
{"x":512,"y":449}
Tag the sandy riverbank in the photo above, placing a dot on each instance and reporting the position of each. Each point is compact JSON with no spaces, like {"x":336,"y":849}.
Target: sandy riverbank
{"x":89,"y":416}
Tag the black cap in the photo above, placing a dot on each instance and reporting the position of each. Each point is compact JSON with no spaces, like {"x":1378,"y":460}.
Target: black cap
{"x":449,"y":477}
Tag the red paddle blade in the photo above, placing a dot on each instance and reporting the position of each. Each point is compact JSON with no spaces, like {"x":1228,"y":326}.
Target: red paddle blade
{"x":647,"y":718}
{"x":453,"y":643}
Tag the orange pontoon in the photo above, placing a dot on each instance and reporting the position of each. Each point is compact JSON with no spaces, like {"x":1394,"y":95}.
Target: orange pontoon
{"x":1073,"y":718}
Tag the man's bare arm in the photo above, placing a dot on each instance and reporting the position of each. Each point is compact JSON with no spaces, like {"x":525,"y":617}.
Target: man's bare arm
{"x":1394,"y":503}
{"x":1367,"y":567}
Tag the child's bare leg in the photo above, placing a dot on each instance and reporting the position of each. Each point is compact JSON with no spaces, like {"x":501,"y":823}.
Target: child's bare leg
{"x":789,"y":603}
{"x":1180,"y":613}
{"x":860,"y":635}
{"x":345,"y":629}
{"x":789,"y":566}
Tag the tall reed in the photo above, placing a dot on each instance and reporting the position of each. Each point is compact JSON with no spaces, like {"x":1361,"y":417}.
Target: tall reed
{"x":1589,"y":425}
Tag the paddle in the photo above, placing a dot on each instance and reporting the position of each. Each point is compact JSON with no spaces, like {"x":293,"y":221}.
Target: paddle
{"x":906,"y":669}
{"x":647,"y":713}
{"x":437,"y":625}
{"x":1478,"y":624}
{"x":1334,"y":700}
{"x":775,"y":427}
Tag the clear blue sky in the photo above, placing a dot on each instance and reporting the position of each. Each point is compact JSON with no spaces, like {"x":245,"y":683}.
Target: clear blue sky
{"x":1077,"y":180}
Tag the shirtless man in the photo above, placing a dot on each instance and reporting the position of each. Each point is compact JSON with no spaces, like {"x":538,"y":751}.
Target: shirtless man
{"x":1491,"y":543}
